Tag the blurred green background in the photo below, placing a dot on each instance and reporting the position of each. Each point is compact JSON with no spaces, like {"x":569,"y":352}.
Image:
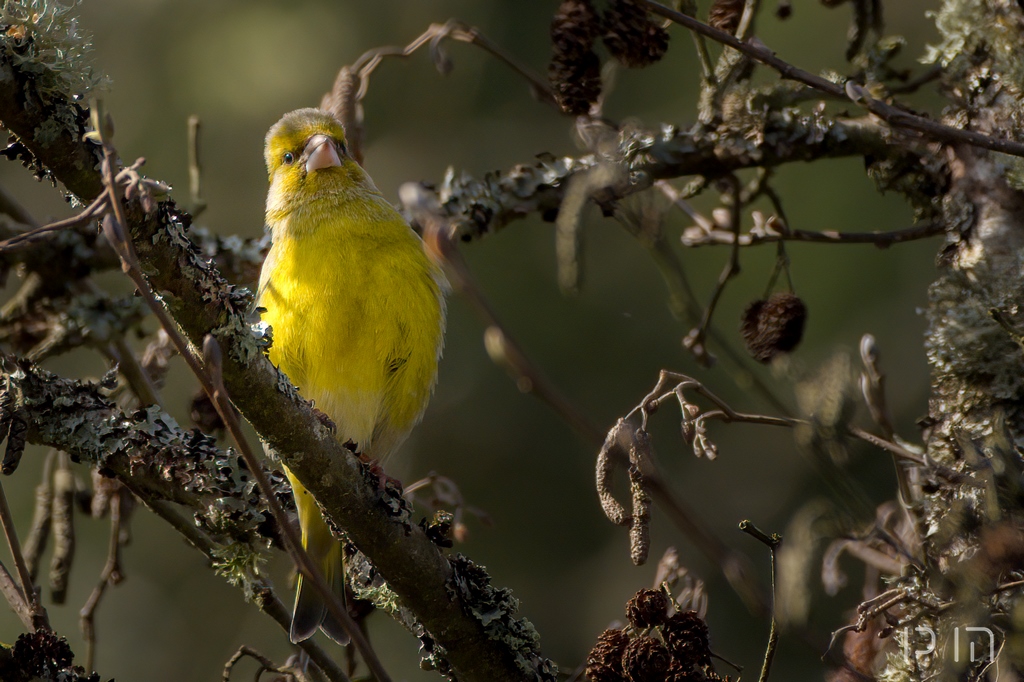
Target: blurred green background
{"x":240,"y":64}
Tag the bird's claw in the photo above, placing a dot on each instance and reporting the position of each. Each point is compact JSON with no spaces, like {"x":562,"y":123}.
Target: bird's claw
{"x":383,"y":480}
{"x":326,"y":421}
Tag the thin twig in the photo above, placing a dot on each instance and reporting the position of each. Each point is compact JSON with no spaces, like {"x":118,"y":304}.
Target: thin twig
{"x":506,"y":352}
{"x":292,"y":542}
{"x":135,"y":374}
{"x":500,"y":345}
{"x":733,"y":565}
{"x":9,"y":205}
{"x":914,"y":84}
{"x":745,"y":29}
{"x":15,"y":598}
{"x":1008,"y":586}
{"x":352,"y":83}
{"x":684,"y":305}
{"x":695,"y":340}
{"x":39,"y":618}
{"x":454,"y":30}
{"x":63,"y":526}
{"x":662,"y":393}
{"x":266,"y":600}
{"x":892,"y":115}
{"x":715,"y":237}
{"x":109,"y":576}
{"x":873,"y":557}
{"x":887,"y":445}
{"x":883,"y":602}
{"x":195,"y":170}
{"x":772,"y":542}
{"x":266,"y":665}
{"x":730,"y":67}
{"x":18,"y":242}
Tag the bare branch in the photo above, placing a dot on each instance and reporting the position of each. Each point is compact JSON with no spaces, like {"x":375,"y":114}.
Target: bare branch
{"x":351,"y":85}
{"x":773,"y":542}
{"x":27,"y":588}
{"x":894,"y":116}
{"x":110,"y":575}
{"x":16,"y":599}
{"x":19,"y":242}
{"x":770,"y":230}
{"x":261,"y":591}
{"x":695,"y":340}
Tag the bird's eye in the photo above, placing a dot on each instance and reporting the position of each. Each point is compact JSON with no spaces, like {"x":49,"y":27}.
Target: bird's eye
{"x":289,"y":158}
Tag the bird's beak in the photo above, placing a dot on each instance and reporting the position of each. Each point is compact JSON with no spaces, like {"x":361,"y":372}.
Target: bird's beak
{"x":320,"y":153}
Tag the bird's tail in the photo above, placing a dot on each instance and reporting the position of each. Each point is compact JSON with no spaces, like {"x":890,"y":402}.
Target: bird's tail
{"x":310,"y":611}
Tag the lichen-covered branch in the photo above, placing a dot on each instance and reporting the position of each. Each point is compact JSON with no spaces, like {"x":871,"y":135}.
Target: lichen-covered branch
{"x":773,"y":138}
{"x":147,"y":450}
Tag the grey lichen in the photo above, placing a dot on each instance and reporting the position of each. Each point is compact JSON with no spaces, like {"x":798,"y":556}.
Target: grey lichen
{"x":967,"y":346}
{"x":44,"y":67}
{"x":969,"y":27}
{"x":239,"y":260}
{"x":495,"y":609}
{"x":367,"y":583}
{"x":234,"y":303}
{"x":148,"y":450}
{"x":42,"y":37}
{"x":48,"y":132}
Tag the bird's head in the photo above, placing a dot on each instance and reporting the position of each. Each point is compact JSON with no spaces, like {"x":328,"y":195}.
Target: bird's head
{"x":307,"y":160}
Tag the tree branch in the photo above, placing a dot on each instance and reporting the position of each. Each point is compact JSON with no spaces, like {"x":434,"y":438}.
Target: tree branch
{"x":481,"y":206}
{"x":894,"y":116}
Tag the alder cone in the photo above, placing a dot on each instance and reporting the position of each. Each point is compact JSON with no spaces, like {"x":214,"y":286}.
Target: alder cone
{"x":576,"y":80}
{"x":686,"y":635}
{"x":575,"y":70}
{"x":681,"y":673}
{"x":631,"y":36}
{"x":604,"y":662}
{"x":647,"y":608}
{"x":646,"y":660}
{"x":574,"y":27}
{"x":773,"y":326}
{"x":600,"y":673}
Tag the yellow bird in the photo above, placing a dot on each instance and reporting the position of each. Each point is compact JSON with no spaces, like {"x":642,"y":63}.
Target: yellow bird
{"x":357,"y":311}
